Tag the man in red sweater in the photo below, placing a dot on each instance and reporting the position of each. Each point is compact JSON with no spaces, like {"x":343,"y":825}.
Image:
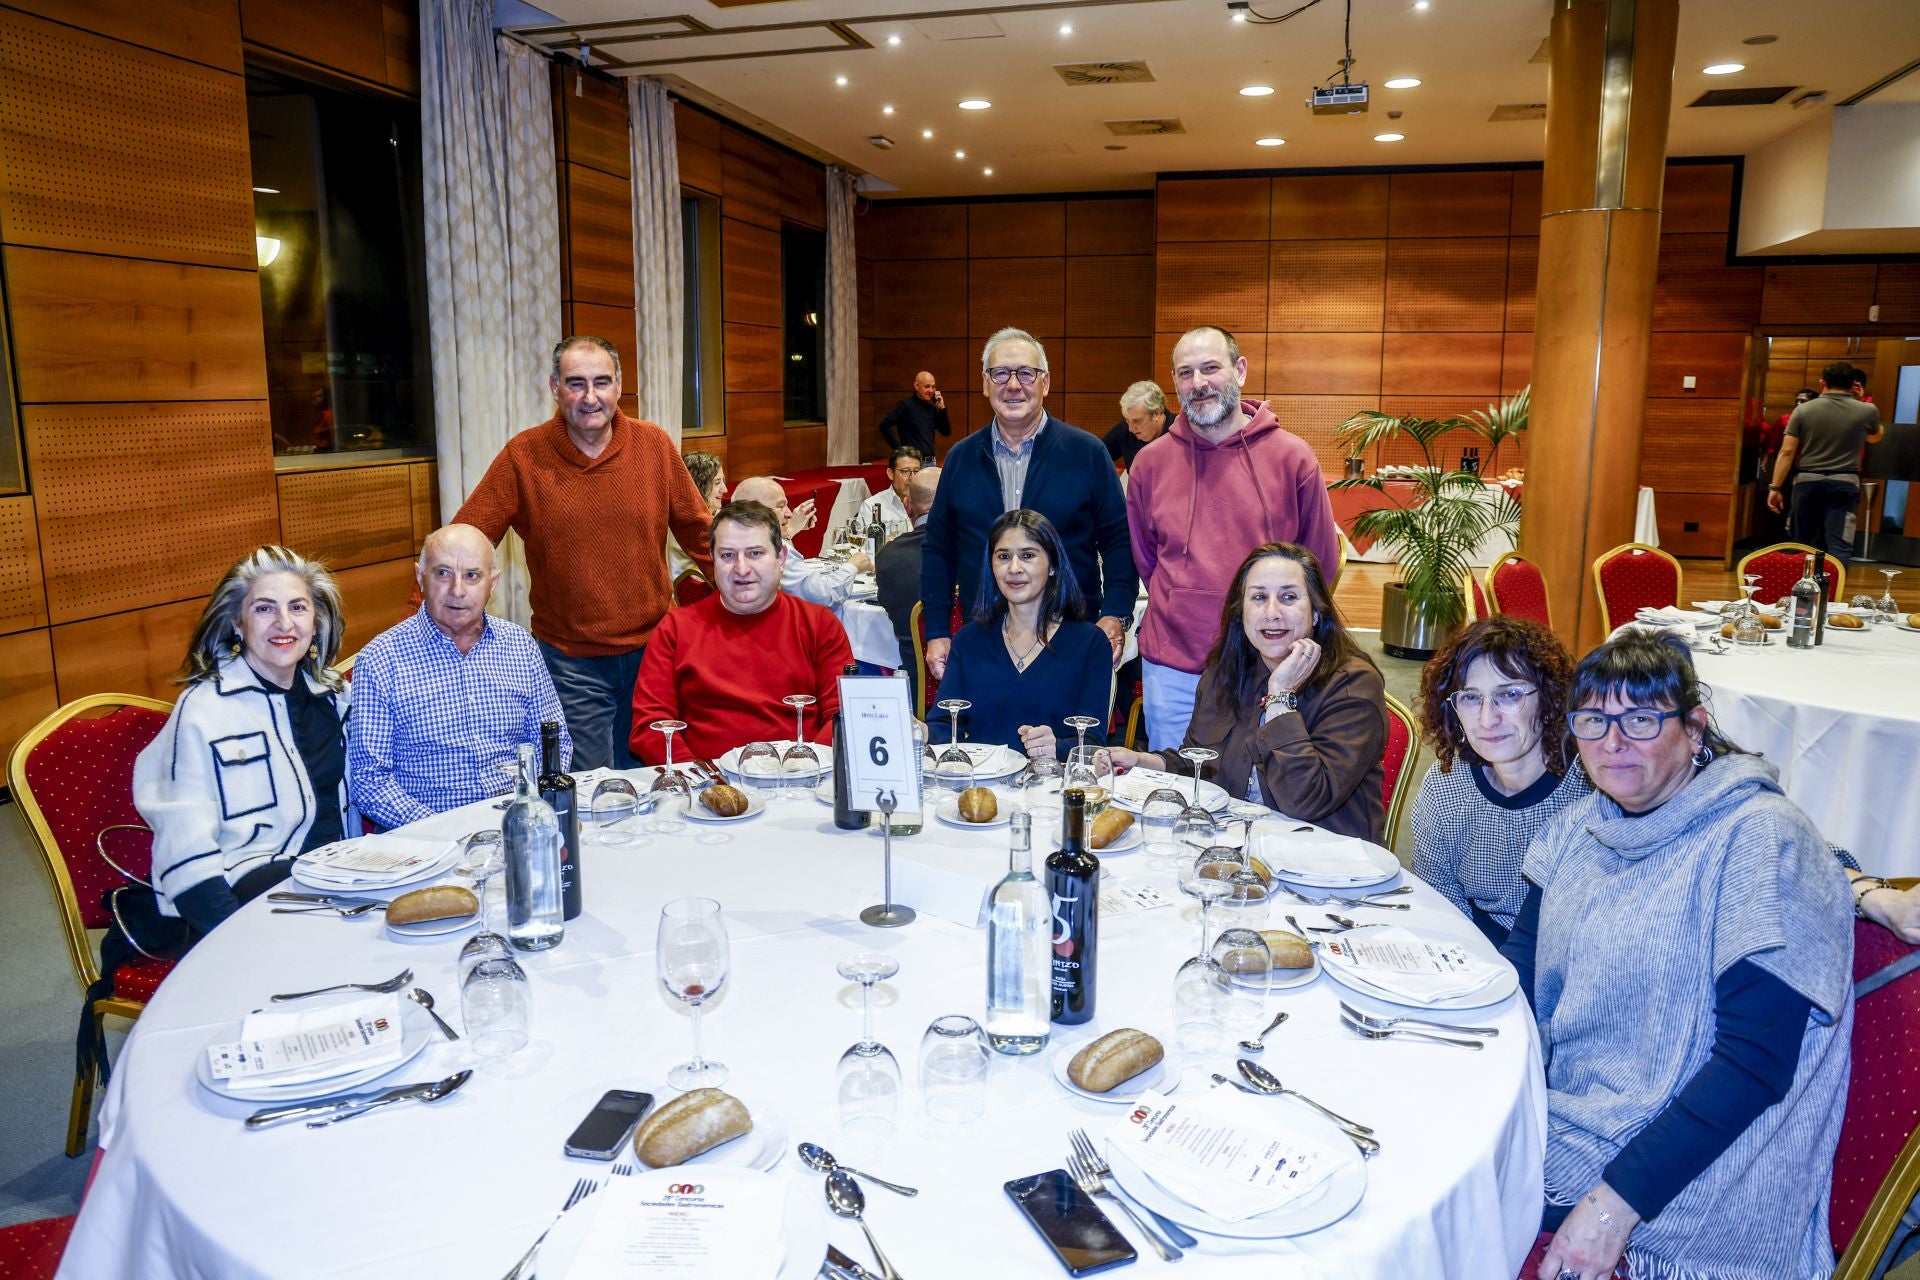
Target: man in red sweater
{"x":723,"y":665}
{"x":592,"y":493}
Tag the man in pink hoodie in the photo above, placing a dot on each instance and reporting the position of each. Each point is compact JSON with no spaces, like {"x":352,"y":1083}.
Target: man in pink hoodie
{"x":1224,"y":479}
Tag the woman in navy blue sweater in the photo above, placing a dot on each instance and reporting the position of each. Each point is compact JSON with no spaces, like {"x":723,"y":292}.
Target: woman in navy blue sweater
{"x":1029,"y":659}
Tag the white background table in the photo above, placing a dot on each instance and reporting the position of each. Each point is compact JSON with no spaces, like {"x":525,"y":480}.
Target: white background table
{"x":1842,"y":724}
{"x":1646,"y":528}
{"x":460,"y":1188}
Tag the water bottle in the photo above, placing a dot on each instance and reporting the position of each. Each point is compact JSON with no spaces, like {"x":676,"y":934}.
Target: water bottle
{"x":1019,"y":951}
{"x":1804,"y":606}
{"x":530,"y":834}
{"x":1073,"y":886}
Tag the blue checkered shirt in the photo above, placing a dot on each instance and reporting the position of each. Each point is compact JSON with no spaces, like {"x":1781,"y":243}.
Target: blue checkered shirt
{"x":433,"y":728}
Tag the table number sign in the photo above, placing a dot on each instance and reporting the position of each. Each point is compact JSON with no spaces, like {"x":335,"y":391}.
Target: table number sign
{"x":883,"y":770}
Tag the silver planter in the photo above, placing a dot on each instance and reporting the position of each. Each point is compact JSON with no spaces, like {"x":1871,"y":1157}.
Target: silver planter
{"x":1403,"y":632}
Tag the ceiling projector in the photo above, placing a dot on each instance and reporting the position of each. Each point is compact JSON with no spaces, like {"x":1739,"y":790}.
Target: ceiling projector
{"x":1339,"y":100}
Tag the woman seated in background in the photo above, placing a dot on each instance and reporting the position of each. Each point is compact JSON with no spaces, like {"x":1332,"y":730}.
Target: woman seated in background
{"x":1494,"y":698}
{"x":249,"y":770}
{"x":1029,"y":658}
{"x":1686,"y":944}
{"x":1295,"y":709}
{"x":710,"y":478}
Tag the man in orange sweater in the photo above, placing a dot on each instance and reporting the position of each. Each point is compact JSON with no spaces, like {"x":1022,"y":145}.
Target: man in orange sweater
{"x":592,"y":493}
{"x":722,"y":666}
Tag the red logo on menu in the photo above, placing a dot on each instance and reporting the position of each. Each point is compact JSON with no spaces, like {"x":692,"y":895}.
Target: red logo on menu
{"x":1140,"y":1115}
{"x":685,"y":1189}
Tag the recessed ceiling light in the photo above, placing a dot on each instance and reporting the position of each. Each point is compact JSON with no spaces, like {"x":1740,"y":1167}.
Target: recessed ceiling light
{"x":1256,"y":91}
{"x":1420,"y":6}
{"x":1388,"y":137}
{"x":974,"y":104}
{"x":886,"y":111}
{"x":1404,"y":82}
{"x":926,"y":133}
{"x":1269,"y":142}
{"x":1724,"y":68}
{"x":1239,"y":15}
{"x":268,"y":191}
{"x":1066,"y":28}
{"x":959,"y":155}
{"x":988,"y":171}
{"x":893,"y":39}
{"x":841,"y":81}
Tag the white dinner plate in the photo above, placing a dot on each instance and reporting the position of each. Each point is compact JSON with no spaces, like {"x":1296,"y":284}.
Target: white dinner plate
{"x":1284,"y":979}
{"x":756,"y":805}
{"x":433,"y":928}
{"x":416,"y":1033}
{"x":758,"y":1148}
{"x":1160,"y":1076}
{"x":1272,"y":849}
{"x":434,"y":872}
{"x":948,"y":811}
{"x":1212,"y":797}
{"x":1902,"y":624}
{"x":1323,"y":1206}
{"x":1130,"y":839}
{"x":991,"y":761}
{"x":804,"y":1226}
{"x":1504,"y":985}
{"x":730,"y":762}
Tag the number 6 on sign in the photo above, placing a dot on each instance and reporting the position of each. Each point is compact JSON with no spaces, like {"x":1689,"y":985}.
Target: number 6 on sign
{"x":878,"y":713}
{"x":878,"y":750}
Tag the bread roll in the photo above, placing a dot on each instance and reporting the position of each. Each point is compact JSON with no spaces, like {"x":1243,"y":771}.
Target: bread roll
{"x":441,"y":902}
{"x":1913,"y":620}
{"x":1290,"y":950}
{"x":1110,"y":826}
{"x":690,"y":1124}
{"x":1726,"y":630}
{"x":724,"y":799}
{"x":1105,"y":1064}
{"x":977,"y":804}
{"x":1848,"y":621}
{"x":1771,"y":622}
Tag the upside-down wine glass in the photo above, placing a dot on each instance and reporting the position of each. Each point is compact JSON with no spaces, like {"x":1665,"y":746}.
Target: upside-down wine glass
{"x":1747,"y":627}
{"x":800,"y":759}
{"x":666,"y":816}
{"x":867,"y":1080}
{"x":690,"y":954}
{"x":1159,"y":819}
{"x":485,"y":858}
{"x":954,"y":768}
{"x":614,"y":802}
{"x":1080,"y":725}
{"x":1889,"y":608}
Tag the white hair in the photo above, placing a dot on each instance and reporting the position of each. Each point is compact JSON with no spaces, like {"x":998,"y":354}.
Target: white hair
{"x":1011,"y":334}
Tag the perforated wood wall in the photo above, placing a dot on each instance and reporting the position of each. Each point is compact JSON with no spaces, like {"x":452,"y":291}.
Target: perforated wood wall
{"x":23,"y":601}
{"x":354,"y":516}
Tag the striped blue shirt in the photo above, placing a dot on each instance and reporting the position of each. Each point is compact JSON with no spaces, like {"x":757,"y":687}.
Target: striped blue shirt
{"x":1010,"y":461}
{"x":433,"y":728}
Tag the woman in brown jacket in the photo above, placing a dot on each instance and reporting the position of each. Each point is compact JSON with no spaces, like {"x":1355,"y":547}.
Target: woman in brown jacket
{"x":1294,"y":707}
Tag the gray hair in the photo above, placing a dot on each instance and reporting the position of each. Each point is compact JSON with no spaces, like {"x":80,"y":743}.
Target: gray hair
{"x":218,"y":631}
{"x":567,"y":344}
{"x":1011,"y":334}
{"x":1145,"y":394}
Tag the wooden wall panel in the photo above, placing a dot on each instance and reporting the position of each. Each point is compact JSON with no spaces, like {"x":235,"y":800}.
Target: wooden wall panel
{"x":1218,"y":284}
{"x":1697,"y":198}
{"x":1523,"y":272}
{"x":1109,"y":296}
{"x":887,"y":231}
{"x":594,"y":121}
{"x":953,"y":362}
{"x":23,"y":597}
{"x":1717,"y":361}
{"x":1516,"y":362}
{"x":1446,"y":448}
{"x":115,"y":149}
{"x":199,"y":30}
{"x":1330,"y":285}
{"x":806,"y":448}
{"x":755,"y":436}
{"x":1693,"y":525}
{"x":1110,"y":226}
{"x":147,"y":502}
{"x":1253,"y":347}
{"x":1818,"y":295}
{"x":347,"y":35}
{"x":87,"y":327}
{"x":1017,"y":229}
{"x":697,"y":142}
{"x":353,"y":516}
{"x":919,"y":299}
{"x":1525,"y":219}
{"x":1312,"y":364}
{"x":372,"y":598}
{"x":1416,"y":364}
{"x":1093,"y":411}
{"x":423,"y":502}
{"x":134,"y":652}
{"x":1030,"y":293}
{"x":1329,"y":208}
{"x":1695,"y":290}
{"x":803,"y":191}
{"x":1458,"y":284}
{"x":1214,"y":209}
{"x":27,"y":691}
{"x":749,"y":178}
{"x":749,"y":273}
{"x":615,"y":324}
{"x":752,"y":358}
{"x":1109,"y":364}
{"x":1450,"y":204}
{"x":1315,"y":420}
{"x":400,"y":20}
{"x":1701,"y":438}
{"x":1897,"y":291}
{"x":600,"y":236}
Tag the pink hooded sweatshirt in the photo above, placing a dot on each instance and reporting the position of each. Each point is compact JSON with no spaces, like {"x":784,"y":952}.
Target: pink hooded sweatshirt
{"x":1194,"y":511}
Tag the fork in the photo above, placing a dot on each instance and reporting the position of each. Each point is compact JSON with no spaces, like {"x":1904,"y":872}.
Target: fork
{"x":1097,"y":1165}
{"x":1387,"y":1033}
{"x":394,"y":983}
{"x":345,"y":913}
{"x":1387,"y":1024}
{"x":581,"y":1190}
{"x":1088,"y":1181}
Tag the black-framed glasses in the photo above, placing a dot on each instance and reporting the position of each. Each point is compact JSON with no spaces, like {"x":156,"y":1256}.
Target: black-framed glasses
{"x":1025,"y":373}
{"x":1467,"y":702}
{"x":1638,"y":723}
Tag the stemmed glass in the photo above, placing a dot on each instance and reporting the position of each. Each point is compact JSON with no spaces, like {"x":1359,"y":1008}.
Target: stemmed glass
{"x":1091,"y":770}
{"x":1889,"y":608}
{"x":800,"y":760}
{"x":1747,"y":628}
{"x":690,"y":953}
{"x":1042,"y":785}
{"x":1253,"y":882}
{"x":1197,"y":756}
{"x":1206,"y":878}
{"x":1866,"y":608}
{"x":761,"y":770}
{"x":485,"y":858}
{"x":1243,"y":955}
{"x":1200,"y":989}
{"x":867,"y":1081}
{"x":954,"y":1068}
{"x":614,"y":801}
{"x":1080,"y":725}
{"x":954,"y":768}
{"x":666,"y":816}
{"x":1159,"y":819}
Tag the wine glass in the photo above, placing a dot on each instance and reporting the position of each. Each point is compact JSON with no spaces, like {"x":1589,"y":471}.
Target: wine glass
{"x":1200,"y":988}
{"x":1205,"y":878}
{"x":1747,"y":627}
{"x":1080,"y":725}
{"x":1866,"y":608}
{"x":690,"y":954}
{"x":1253,"y":882}
{"x":1889,"y":608}
{"x":800,"y":761}
{"x":666,"y":815}
{"x":614,"y":802}
{"x":1042,"y":784}
{"x":761,"y":770}
{"x":954,"y":1066}
{"x":1243,"y":955}
{"x":1159,"y":815}
{"x":954,"y":768}
{"x":867,"y":1081}
{"x":1091,"y":770}
{"x":496,"y":1005}
{"x":484,"y":858}
{"x":1197,"y":756}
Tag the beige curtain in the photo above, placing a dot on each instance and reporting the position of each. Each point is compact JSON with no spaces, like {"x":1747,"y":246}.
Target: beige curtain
{"x":658,"y":297}
{"x":843,"y":323}
{"x":493,"y":250}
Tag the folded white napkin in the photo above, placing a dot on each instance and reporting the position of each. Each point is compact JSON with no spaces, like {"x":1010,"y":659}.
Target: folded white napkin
{"x":1223,"y":1151}
{"x":1401,"y":963}
{"x":304,"y":1043}
{"x":1319,"y":853}
{"x":1669,"y":614}
{"x":724,"y":1222}
{"x":367,"y":862}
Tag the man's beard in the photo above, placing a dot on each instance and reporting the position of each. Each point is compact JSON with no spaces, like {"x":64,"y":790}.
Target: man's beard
{"x":1224,"y":407}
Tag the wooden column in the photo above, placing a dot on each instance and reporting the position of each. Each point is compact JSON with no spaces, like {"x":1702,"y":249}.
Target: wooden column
{"x":1611,"y":78}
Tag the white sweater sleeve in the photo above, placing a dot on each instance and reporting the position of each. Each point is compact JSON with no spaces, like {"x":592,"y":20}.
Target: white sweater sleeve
{"x":174,"y":790}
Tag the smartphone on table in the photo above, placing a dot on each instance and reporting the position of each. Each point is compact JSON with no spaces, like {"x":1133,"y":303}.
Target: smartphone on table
{"x":1070,"y":1222}
{"x":610,"y":1125}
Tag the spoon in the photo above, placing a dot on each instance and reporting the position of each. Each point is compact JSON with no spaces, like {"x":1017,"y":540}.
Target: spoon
{"x":1304,"y":929}
{"x":420,"y":997}
{"x":1368,"y":1146}
{"x":846,"y":1199}
{"x":1266,"y":1082}
{"x":1343,"y":921}
{"x":1259,"y":1042}
{"x":819,"y":1159}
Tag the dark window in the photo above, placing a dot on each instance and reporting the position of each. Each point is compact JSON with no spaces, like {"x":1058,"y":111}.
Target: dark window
{"x":702,"y":409}
{"x":803,"y":290}
{"x":337,"y":209}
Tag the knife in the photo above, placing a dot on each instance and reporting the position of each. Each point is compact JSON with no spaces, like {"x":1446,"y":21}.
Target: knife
{"x":323,"y":899}
{"x":841,"y":1266}
{"x":379,"y":1097}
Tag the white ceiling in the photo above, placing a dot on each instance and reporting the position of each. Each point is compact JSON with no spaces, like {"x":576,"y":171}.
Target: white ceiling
{"x":1042,"y":136}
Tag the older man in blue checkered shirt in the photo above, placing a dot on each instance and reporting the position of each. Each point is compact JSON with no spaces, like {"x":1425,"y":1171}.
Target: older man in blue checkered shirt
{"x":441,"y":700}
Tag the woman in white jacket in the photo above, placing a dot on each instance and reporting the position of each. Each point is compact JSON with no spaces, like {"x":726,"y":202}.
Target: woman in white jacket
{"x":250,"y":770}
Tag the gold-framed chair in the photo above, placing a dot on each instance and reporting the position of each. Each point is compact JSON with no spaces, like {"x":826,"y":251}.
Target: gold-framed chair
{"x":1779,"y":568}
{"x":691,"y":587}
{"x":1634,"y":576}
{"x":1403,"y":745}
{"x":1516,"y":586}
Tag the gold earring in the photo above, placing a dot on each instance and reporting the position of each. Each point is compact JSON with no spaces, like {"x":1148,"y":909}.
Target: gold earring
{"x":234,"y":649}
{"x":313,"y":652}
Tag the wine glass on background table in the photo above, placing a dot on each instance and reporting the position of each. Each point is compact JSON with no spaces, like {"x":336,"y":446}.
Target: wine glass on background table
{"x":666,"y":814}
{"x":954,"y":768}
{"x":1091,"y":770}
{"x":1747,"y":627}
{"x":691,"y":956}
{"x":799,"y":762}
{"x":867,"y":1082}
{"x":1889,"y":608}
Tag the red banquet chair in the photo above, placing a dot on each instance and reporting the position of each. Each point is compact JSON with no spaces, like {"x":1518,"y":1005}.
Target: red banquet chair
{"x":1478,"y":606}
{"x":1779,"y":568}
{"x":32,"y":1250}
{"x":1403,"y":740}
{"x":1634,"y":576}
{"x":1517,"y":588}
{"x":72,"y":776}
{"x":1876,"y":1167}
{"x":691,"y":587}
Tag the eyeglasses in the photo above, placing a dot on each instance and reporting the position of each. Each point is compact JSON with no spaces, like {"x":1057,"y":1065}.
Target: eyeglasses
{"x":1467,"y":702}
{"x":1636,"y":723}
{"x":1028,"y":376}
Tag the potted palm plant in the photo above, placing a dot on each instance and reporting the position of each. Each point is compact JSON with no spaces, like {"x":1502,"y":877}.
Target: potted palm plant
{"x":1435,"y":530}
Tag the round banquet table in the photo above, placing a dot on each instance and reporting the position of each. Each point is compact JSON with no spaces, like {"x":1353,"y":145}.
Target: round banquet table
{"x":1842,"y":724}
{"x":460,"y":1188}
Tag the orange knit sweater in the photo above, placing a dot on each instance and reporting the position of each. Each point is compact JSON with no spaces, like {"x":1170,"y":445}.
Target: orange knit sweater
{"x":595,"y":530}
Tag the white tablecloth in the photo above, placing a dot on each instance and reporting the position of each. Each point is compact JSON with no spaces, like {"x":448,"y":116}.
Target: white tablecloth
{"x":870,"y":631}
{"x":853,"y":492}
{"x":1842,"y":724}
{"x":459,"y":1189}
{"x":1646,"y":528}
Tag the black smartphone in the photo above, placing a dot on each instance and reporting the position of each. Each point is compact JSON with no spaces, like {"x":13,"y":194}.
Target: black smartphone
{"x":609,"y":1125}
{"x":1070,"y":1222}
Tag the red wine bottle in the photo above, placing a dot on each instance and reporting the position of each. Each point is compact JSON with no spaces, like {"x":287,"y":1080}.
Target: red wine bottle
{"x":1073,"y":884}
{"x":557,"y":789}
